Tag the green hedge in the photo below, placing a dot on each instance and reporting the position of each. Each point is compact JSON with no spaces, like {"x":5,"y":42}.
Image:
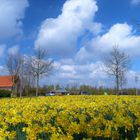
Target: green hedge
{"x":5,"y":93}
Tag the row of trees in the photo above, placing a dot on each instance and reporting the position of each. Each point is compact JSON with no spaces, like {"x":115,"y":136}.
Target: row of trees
{"x":117,"y":65}
{"x":27,"y":70}
{"x":76,"y":90}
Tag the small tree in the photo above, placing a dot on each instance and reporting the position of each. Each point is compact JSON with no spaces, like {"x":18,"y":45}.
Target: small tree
{"x":117,"y":64}
{"x":13,"y":65}
{"x":40,"y":65}
{"x":28,"y":77}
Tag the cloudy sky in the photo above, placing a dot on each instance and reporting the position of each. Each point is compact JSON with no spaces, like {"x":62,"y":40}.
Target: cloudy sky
{"x":76,"y":33}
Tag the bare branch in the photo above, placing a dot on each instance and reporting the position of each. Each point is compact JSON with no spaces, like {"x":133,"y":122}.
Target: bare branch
{"x":40,"y":65}
{"x":117,"y":65}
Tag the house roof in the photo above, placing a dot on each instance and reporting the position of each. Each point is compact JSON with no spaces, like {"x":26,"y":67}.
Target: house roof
{"x":6,"y":81}
{"x":61,"y":90}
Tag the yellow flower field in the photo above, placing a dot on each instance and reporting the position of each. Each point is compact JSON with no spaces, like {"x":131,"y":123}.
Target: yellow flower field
{"x":70,"y":117}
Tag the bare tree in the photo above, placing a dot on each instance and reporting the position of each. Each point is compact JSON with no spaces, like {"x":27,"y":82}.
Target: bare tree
{"x":28,"y":77}
{"x":117,"y":65}
{"x":122,"y":79}
{"x":40,"y":65}
{"x":13,"y":65}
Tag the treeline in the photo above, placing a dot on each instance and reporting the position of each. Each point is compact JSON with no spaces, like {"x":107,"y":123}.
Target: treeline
{"x":30,"y":91}
{"x":27,"y":72}
{"x":75,"y":90}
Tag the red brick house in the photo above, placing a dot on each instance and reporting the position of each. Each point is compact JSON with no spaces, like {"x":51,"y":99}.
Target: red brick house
{"x":6,"y":82}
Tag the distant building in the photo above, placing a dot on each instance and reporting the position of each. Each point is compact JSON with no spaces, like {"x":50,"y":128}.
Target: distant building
{"x":61,"y":91}
{"x":6,"y":82}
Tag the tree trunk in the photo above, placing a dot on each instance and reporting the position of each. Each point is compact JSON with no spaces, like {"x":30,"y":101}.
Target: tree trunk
{"x":20,"y":94}
{"x":20,"y":80}
{"x":20,"y":88}
{"x":13,"y":86}
{"x":37,"y":85}
{"x":117,"y":84}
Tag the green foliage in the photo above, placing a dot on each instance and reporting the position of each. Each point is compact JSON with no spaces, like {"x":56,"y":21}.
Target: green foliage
{"x":5,"y":93}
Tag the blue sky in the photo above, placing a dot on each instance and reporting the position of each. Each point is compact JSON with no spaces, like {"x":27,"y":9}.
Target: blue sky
{"x":77,"y":33}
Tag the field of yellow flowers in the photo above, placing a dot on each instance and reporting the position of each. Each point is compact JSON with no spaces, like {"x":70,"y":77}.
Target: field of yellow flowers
{"x":70,"y":118}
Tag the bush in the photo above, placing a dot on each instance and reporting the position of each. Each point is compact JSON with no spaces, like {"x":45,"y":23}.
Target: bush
{"x":5,"y":93}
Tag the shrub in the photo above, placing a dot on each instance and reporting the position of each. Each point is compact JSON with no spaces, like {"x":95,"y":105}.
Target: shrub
{"x":5,"y":93}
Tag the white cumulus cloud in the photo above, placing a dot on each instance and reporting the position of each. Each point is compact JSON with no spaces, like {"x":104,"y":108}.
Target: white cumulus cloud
{"x":122,"y":35}
{"x":59,"y":35}
{"x":13,"y":50}
{"x":135,"y":2}
{"x":11,"y":14}
{"x":70,"y":73}
{"x":92,"y":73}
